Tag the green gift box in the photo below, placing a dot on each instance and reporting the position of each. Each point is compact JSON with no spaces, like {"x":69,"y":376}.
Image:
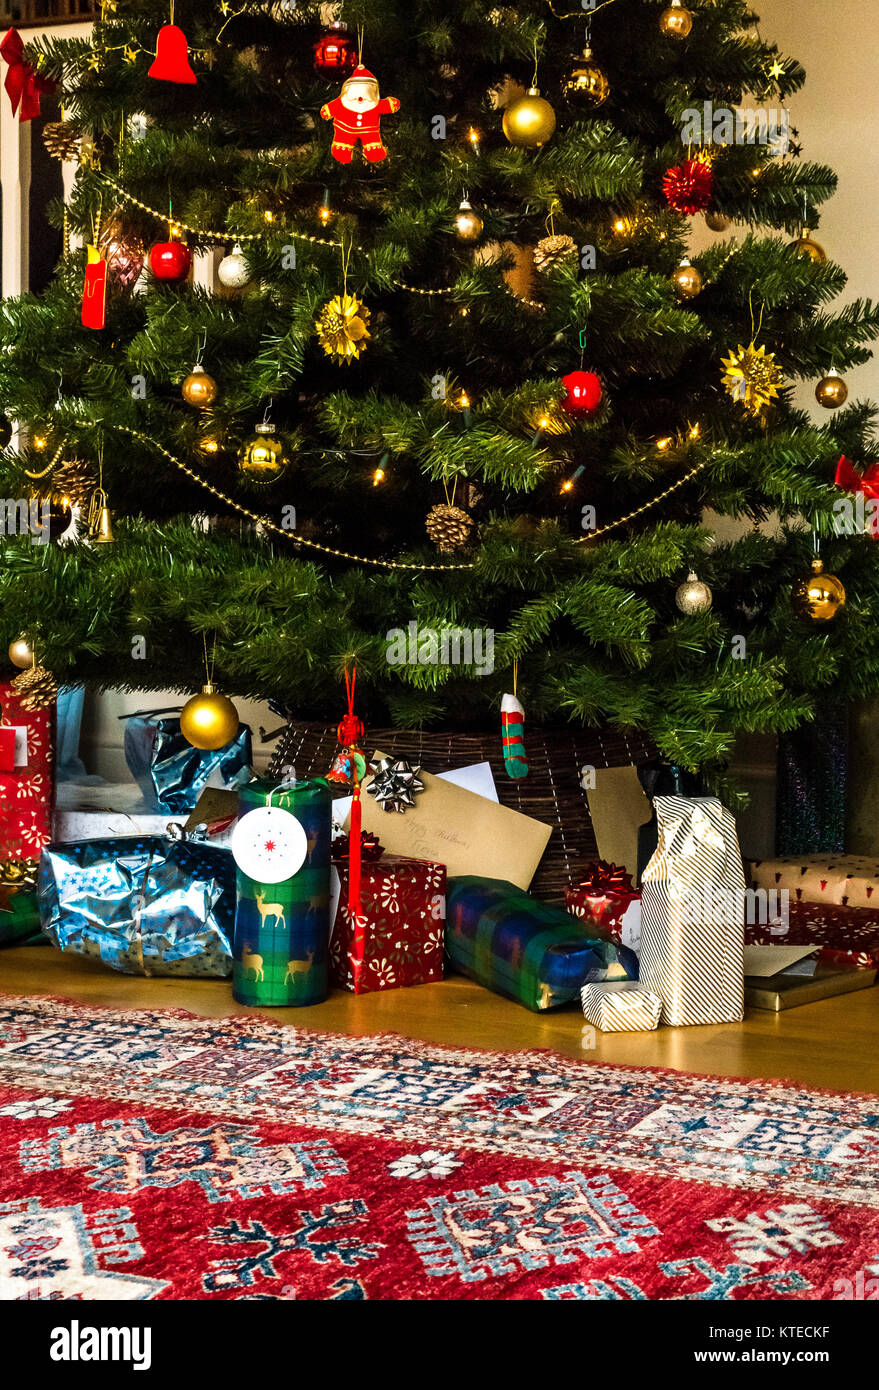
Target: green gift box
{"x":282,"y":929}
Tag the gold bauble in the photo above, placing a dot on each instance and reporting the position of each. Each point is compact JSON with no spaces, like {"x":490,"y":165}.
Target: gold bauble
{"x":693,"y":596}
{"x":21,"y":654}
{"x":530,"y":121}
{"x":820,"y":596}
{"x":261,"y":458}
{"x":716,"y":222}
{"x":199,"y":388}
{"x":586,"y":88}
{"x":687,"y":281}
{"x":831,"y":391}
{"x":468,"y":224}
{"x":676,"y":21}
{"x":805,"y":245}
{"x":209,"y":720}
{"x":343,"y":327}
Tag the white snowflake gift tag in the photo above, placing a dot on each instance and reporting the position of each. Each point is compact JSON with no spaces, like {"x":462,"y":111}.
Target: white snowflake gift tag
{"x":269,"y":844}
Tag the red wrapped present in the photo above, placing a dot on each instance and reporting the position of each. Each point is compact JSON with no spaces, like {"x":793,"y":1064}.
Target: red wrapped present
{"x":27,"y":793}
{"x":603,"y":896}
{"x":847,"y":936}
{"x":397,"y":938}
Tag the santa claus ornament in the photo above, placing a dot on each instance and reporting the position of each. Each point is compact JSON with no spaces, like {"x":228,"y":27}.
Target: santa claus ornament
{"x":356,"y":115}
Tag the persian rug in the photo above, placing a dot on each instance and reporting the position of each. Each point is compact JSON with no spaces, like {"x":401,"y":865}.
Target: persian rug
{"x":156,"y":1155}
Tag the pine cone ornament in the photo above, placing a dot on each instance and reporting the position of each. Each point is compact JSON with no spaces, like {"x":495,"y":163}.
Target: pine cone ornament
{"x":61,"y":140}
{"x":75,"y":479}
{"x":688,"y":187}
{"x":36,"y":689}
{"x":448,"y":527}
{"x":552,"y":250}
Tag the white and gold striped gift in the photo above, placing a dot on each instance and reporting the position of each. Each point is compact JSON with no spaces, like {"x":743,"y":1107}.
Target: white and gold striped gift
{"x":623,"y":1006}
{"x":692,"y":913}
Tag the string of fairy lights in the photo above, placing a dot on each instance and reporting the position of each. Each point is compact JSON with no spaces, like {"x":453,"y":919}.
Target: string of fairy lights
{"x":221,"y":237}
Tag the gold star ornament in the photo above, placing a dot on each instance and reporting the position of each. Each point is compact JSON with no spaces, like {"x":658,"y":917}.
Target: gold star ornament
{"x":752,"y":377}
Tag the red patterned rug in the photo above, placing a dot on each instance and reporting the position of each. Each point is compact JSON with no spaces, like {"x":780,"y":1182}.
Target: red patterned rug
{"x":155,"y":1155}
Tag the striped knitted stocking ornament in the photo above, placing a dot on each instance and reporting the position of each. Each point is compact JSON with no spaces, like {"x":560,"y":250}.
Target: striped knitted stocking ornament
{"x":512,"y":736}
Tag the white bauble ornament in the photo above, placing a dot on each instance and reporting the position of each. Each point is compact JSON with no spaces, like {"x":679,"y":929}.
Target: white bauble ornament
{"x":233,"y":270}
{"x":269,"y":844}
{"x":693,"y":596}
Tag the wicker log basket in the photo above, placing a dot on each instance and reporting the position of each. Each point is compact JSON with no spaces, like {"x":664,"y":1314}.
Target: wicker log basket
{"x":551,"y":793}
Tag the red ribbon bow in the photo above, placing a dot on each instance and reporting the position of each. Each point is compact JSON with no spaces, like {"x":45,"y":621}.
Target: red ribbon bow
{"x":602,"y":877}
{"x":866,"y":483}
{"x":22,"y":83}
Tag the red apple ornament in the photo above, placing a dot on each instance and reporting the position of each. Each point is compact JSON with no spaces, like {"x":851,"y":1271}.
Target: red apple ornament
{"x":170,"y":261}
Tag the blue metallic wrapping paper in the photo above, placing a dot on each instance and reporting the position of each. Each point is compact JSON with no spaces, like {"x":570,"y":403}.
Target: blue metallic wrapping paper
{"x":170,"y":772}
{"x":144,"y":905}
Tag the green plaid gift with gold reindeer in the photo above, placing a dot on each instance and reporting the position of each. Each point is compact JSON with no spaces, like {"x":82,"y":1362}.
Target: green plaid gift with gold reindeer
{"x":282,"y":927}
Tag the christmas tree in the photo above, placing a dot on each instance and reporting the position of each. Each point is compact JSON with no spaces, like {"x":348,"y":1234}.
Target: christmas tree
{"x":454,"y":375}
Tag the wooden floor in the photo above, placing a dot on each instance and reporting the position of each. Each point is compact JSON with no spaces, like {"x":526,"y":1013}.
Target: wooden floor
{"x":832,"y":1043}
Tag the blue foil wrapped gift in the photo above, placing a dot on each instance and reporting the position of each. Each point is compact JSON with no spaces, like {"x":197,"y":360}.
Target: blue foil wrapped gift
{"x":170,"y":772}
{"x":144,"y":905}
{"x":530,"y":951}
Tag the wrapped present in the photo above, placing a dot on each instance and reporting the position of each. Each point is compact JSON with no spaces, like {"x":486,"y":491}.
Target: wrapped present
{"x":527,"y":950}
{"x":846,"y":880}
{"x":605,"y":897}
{"x":397,"y":936}
{"x":847,"y":936}
{"x":621,"y":1006}
{"x":170,"y":772}
{"x":281,"y":845}
{"x":692,"y":899}
{"x":144,"y":905}
{"x":27,"y":791}
{"x":19,"y":912}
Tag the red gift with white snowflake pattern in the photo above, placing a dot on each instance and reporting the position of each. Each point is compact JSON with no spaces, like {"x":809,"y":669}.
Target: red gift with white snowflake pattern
{"x":27,"y":793}
{"x":399,"y":937}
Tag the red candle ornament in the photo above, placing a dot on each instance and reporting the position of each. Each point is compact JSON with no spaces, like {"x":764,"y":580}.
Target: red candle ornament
{"x":94,"y":290}
{"x":170,"y":261}
{"x":584,"y":393}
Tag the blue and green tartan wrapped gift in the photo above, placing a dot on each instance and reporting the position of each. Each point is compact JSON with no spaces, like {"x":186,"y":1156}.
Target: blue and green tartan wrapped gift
{"x":144,"y":905}
{"x":282,"y":930}
{"x":170,"y":772}
{"x":529,"y":951}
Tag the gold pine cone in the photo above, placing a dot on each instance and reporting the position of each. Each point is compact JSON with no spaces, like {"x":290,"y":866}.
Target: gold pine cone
{"x":75,"y":479}
{"x":61,"y":140}
{"x":36,"y":689}
{"x":448,"y":527}
{"x":550,"y":251}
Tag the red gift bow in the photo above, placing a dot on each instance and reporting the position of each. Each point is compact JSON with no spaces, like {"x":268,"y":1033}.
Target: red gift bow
{"x":602,"y":878}
{"x":22,"y":83}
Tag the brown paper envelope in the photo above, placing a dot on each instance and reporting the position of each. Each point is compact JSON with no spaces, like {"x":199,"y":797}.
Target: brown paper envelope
{"x":214,"y":803}
{"x":765,"y":961}
{"x":466,"y":832}
{"x":618,"y":806}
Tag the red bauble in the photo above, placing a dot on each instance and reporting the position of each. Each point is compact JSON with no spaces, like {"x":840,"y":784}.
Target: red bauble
{"x":170,"y":260}
{"x":688,"y":187}
{"x":583,"y":393}
{"x":335,"y":51}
